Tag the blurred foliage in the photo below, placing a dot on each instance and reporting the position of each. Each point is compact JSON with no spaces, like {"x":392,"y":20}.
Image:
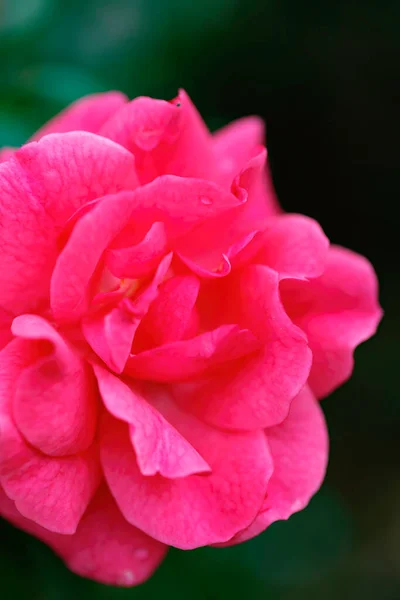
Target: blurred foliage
{"x":324,"y":76}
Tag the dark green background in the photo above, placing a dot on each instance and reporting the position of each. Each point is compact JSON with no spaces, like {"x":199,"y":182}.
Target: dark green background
{"x":324,"y":75}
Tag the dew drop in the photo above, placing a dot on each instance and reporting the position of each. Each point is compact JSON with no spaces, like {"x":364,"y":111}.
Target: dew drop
{"x":206,"y":201}
{"x":142,"y":554}
{"x":127,"y":577}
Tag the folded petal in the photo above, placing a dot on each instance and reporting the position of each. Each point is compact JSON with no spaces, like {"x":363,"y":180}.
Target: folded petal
{"x":337,"y":311}
{"x":299,"y":449}
{"x":158,"y":446}
{"x":71,"y":290}
{"x":255,"y":392}
{"x":295,"y":246}
{"x":55,"y":397}
{"x":181,"y":203}
{"x":86,"y":114}
{"x":52,"y":492}
{"x":180,"y":360}
{"x":199,"y":509}
{"x":138,"y":260}
{"x":209,"y":248}
{"x":165,"y":137}
{"x":40,"y":188}
{"x":169,"y":315}
{"x":235,"y":144}
{"x":104,"y":548}
{"x":110,"y":332}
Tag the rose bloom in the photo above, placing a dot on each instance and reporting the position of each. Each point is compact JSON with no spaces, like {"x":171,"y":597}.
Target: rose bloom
{"x":166,"y":334}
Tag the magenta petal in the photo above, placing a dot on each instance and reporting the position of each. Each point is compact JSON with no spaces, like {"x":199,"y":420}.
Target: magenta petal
{"x":295,"y":246}
{"x":86,"y":114}
{"x":110,"y":333}
{"x":104,"y":548}
{"x":235,"y":144}
{"x":138,"y":260}
{"x":55,"y":397}
{"x":299,"y":449}
{"x":183,"y":359}
{"x":208,"y":249}
{"x":142,"y":124}
{"x":52,"y":492}
{"x":5,"y":328}
{"x":257,"y":391}
{"x":78,"y":261}
{"x":6,"y":153}
{"x":180,"y":203}
{"x":169,"y":315}
{"x":55,"y":177}
{"x":165,"y":137}
{"x":197,"y":510}
{"x":158,"y":446}
{"x":337,"y":311}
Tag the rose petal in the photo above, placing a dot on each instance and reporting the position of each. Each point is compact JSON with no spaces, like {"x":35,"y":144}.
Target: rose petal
{"x":257,"y":391}
{"x":76,"y":265}
{"x":52,"y":492}
{"x":5,"y":328}
{"x":180,"y":360}
{"x":169,"y":315}
{"x":196,"y":510}
{"x":235,"y":144}
{"x":337,"y":311}
{"x":6,"y":153}
{"x":299,"y":449}
{"x":208,"y":249}
{"x":86,"y":114}
{"x":165,"y":137}
{"x":181,"y":203}
{"x":138,"y":260}
{"x":40,"y":188}
{"x":158,"y":446}
{"x":54,"y":399}
{"x":105,"y":547}
{"x":111,"y":333}
{"x":295,"y":246}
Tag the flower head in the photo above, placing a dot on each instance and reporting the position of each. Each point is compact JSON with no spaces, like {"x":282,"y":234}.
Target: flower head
{"x":166,"y":334}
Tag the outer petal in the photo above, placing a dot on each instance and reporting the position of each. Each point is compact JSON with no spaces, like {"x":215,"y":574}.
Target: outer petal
{"x":104,"y":548}
{"x":337,"y":311}
{"x":295,"y":246}
{"x":177,"y":361}
{"x":55,"y":397}
{"x":257,"y":391}
{"x":196,"y":510}
{"x":52,"y":492}
{"x":235,"y":144}
{"x":86,"y":114}
{"x":165,"y":137}
{"x":40,"y":188}
{"x":6,"y":153}
{"x":299,"y":448}
{"x":159,"y":447}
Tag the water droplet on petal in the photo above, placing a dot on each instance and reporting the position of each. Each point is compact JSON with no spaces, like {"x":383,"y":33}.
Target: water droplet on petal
{"x":142,"y":554}
{"x":127,"y":577}
{"x":206,"y":201}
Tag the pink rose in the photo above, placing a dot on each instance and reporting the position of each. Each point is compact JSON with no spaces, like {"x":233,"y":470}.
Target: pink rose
{"x":166,"y":331}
